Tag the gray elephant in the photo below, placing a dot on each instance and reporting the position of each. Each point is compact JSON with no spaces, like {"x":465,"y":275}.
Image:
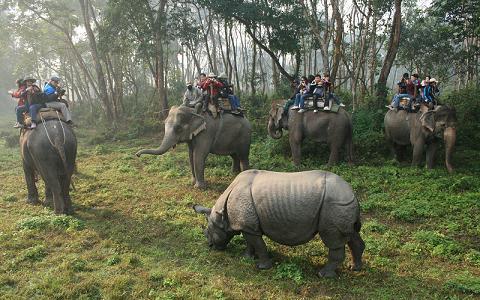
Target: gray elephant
{"x":224,"y":135}
{"x":50,"y":150}
{"x":423,"y":130}
{"x":289,"y":208}
{"x":335,"y":129}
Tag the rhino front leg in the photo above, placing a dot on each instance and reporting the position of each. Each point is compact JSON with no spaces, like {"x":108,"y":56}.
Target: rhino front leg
{"x":250,"y":251}
{"x":256,"y":243}
{"x":357,"y":246}
{"x":335,"y":258}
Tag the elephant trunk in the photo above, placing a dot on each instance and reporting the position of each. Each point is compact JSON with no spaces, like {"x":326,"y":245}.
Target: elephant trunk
{"x":449,"y":136}
{"x":273,"y":131}
{"x":168,"y":142}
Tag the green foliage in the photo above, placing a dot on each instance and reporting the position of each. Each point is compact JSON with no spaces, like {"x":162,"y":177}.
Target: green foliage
{"x":465,"y":284}
{"x":32,"y":254}
{"x":437,"y":244}
{"x":289,"y":270}
{"x":113,"y":260}
{"x":49,"y":222}
{"x":9,"y":198}
{"x":467,"y":107}
{"x":11,"y":141}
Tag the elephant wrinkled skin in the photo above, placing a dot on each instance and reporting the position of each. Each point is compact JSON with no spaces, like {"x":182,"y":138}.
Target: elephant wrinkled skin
{"x":53,"y":156}
{"x":335,"y":129}
{"x":224,"y":135}
{"x":423,"y":130}
{"x":289,"y":208}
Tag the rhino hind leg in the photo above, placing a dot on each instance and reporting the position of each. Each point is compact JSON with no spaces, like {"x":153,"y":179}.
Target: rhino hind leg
{"x":256,"y":247}
{"x":357,"y":246}
{"x":335,"y":258}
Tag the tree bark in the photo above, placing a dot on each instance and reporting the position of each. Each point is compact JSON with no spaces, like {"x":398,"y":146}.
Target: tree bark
{"x":391,"y":54}
{"x":102,"y":86}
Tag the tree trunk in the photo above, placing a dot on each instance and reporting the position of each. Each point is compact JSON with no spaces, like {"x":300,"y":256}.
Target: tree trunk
{"x":102,"y":86}
{"x":391,"y":54}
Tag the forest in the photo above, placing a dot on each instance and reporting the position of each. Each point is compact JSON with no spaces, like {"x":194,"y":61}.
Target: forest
{"x":125,"y":66}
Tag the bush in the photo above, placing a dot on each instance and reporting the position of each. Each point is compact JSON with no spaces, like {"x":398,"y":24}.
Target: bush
{"x":467,"y":106}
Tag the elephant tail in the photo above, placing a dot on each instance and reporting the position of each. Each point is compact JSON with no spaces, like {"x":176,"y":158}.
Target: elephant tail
{"x":58,"y":145}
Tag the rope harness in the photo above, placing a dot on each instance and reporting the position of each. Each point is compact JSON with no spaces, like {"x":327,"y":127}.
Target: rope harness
{"x":46,"y":130}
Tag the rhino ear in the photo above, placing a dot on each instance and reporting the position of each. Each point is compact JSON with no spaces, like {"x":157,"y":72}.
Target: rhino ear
{"x":222,"y":222}
{"x":202,"y":210}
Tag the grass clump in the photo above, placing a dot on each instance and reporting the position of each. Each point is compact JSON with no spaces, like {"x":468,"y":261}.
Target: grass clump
{"x":35,"y":253}
{"x":49,"y":222}
{"x":465,"y":284}
{"x":289,"y":270}
{"x":10,"y":198}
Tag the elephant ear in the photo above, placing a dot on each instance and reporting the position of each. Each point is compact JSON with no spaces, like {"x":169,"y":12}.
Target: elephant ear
{"x":278,"y":115}
{"x":428,"y":120}
{"x":197,"y":125}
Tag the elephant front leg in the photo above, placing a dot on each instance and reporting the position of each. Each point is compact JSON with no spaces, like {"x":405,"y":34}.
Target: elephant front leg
{"x":417,"y":154}
{"x":256,"y":243}
{"x":333,"y":158}
{"x":199,"y":168}
{"x":431,"y":150}
{"x":29,"y":173}
{"x":190,"y":157}
{"x":335,"y":258}
{"x":48,"y":197}
{"x":296,"y":152}
{"x":235,"y":164}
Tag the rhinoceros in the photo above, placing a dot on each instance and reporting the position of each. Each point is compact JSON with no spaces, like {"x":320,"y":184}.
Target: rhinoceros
{"x":290,"y":209}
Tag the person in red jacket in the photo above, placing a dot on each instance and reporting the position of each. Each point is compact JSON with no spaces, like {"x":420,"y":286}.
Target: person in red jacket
{"x":212,"y":86}
{"x":21,"y":104}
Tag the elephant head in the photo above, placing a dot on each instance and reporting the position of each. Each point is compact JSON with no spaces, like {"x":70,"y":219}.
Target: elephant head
{"x":275,"y":122}
{"x":217,"y":232}
{"x":181,"y":125}
{"x":442,"y":122}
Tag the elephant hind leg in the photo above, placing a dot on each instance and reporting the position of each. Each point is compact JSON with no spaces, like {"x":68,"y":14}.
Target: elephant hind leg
{"x":244,"y":164}
{"x":65,"y":184}
{"x":54,"y":184}
{"x":235,"y":164}
{"x":334,"y":155}
{"x":357,"y":246}
{"x":29,"y":173}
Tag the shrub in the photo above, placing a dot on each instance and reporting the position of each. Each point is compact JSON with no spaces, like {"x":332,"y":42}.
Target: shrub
{"x":289,"y":270}
{"x":467,"y":106}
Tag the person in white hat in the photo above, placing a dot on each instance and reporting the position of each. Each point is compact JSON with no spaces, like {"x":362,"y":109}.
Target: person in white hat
{"x":192,"y":95}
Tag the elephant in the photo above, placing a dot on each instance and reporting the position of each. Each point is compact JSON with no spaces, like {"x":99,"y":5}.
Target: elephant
{"x":224,"y":135}
{"x":333,"y":128}
{"x":51,"y":150}
{"x":290,"y":209}
{"x":422,"y":130}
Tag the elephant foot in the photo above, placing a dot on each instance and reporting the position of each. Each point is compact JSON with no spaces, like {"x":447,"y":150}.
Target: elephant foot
{"x":264,"y":265}
{"x":327,"y":272}
{"x":32,"y":201}
{"x":248,"y":254}
{"x":200,"y":185}
{"x":69,"y":211}
{"x":356,"y":267}
{"x":48,"y":203}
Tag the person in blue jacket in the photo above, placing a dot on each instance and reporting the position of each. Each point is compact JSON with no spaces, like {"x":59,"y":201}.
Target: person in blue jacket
{"x":53,"y":92}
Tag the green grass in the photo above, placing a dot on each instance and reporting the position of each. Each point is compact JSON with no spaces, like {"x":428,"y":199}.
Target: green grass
{"x":135,"y":236}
